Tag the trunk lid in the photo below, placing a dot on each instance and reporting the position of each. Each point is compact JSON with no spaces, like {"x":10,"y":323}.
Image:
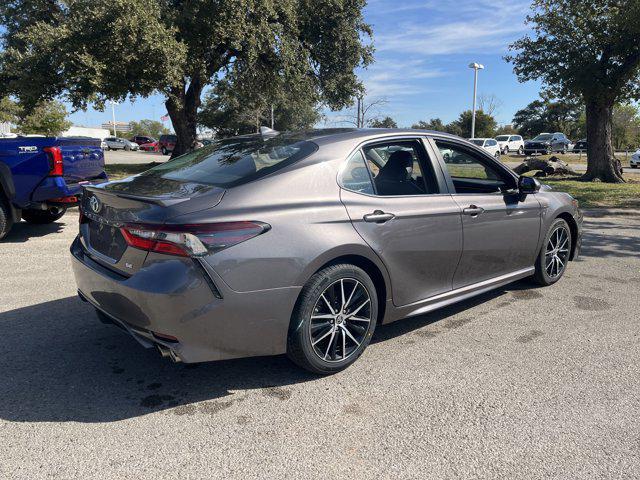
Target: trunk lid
{"x":135,"y":200}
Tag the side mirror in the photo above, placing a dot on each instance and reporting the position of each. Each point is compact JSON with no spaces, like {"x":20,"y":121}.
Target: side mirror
{"x":528,"y":185}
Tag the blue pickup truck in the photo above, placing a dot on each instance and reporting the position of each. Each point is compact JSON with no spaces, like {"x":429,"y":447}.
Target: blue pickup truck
{"x":40,"y":177}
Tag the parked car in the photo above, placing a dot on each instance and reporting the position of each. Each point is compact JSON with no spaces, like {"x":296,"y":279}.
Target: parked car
{"x":547,"y":143}
{"x":40,"y":177}
{"x":580,"y":146}
{"x":116,"y":143}
{"x":635,"y":159}
{"x":250,"y":247}
{"x":150,"y":147}
{"x":142,"y":139}
{"x":510,"y":143}
{"x":167,"y":143}
{"x":489,"y":144}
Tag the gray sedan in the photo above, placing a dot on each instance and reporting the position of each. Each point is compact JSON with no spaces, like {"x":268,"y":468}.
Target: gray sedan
{"x":302,"y":243}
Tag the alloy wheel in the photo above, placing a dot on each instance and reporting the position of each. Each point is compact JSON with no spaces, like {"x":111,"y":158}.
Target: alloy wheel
{"x":340,"y":320}
{"x":557,"y":252}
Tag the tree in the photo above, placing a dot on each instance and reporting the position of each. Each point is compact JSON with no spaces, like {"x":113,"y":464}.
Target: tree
{"x":489,"y":103}
{"x":46,"y":118}
{"x":583,"y":48}
{"x":230,"y":111}
{"x":82,"y":50}
{"x":9,"y":110}
{"x":626,"y":126}
{"x":485,"y":125}
{"x":433,"y":124}
{"x":386,"y":122}
{"x":550,"y":115}
{"x":148,"y":128}
{"x":506,"y":130}
{"x":365,"y":111}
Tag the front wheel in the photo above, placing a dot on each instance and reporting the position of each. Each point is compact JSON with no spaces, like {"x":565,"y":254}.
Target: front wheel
{"x":41,"y":217}
{"x":165,"y":151}
{"x":334,"y":319}
{"x":505,"y":151}
{"x":554,"y":254}
{"x":521,"y":151}
{"x":497,"y":155}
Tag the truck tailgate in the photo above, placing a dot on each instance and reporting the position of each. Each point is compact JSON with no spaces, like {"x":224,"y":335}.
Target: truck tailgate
{"x":82,"y":157}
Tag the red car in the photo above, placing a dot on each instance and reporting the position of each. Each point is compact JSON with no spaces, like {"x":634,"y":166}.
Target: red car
{"x":150,"y":147}
{"x":167,"y":143}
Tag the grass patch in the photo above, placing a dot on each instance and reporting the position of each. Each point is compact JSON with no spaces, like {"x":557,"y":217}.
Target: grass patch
{"x":570,"y":158}
{"x":598,"y":194}
{"x":118,"y":171}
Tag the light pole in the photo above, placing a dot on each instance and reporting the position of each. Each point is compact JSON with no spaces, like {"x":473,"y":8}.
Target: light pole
{"x":113,"y":117}
{"x":476,"y":67}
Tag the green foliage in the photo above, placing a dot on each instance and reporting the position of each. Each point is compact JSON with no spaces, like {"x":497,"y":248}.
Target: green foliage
{"x":92,"y":51}
{"x":148,"y":128}
{"x":433,"y":124}
{"x":230,"y":110}
{"x":550,"y":115}
{"x":626,"y":127}
{"x":485,"y":125}
{"x":386,"y":122}
{"x":506,"y":130}
{"x":579,"y":47}
{"x":9,"y":110}
{"x":46,"y":118}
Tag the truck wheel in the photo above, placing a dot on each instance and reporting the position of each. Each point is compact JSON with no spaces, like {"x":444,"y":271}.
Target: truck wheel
{"x":165,"y":151}
{"x":6,"y":220}
{"x":41,"y":217}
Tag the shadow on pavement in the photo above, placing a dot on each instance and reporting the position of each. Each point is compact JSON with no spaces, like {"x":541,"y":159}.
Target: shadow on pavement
{"x":23,"y":231}
{"x":60,"y":364}
{"x":598,"y":241}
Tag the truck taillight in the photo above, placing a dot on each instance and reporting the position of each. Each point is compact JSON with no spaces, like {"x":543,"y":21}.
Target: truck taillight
{"x":56,"y":165}
{"x":193,"y":240}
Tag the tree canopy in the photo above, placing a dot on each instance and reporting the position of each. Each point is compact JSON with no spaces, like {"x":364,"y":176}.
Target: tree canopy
{"x":551,"y":115}
{"x":45,"y":118}
{"x":90,"y":52}
{"x":587,"y":49}
{"x":385,"y":122}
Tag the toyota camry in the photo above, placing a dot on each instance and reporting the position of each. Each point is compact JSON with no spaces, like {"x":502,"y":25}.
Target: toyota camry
{"x":302,"y":243}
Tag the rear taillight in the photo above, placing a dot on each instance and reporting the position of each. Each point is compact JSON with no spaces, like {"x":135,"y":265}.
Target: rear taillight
{"x":56,"y":165}
{"x":191,"y":240}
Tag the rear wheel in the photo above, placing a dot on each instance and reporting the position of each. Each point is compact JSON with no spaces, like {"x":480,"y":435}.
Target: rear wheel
{"x":334,"y":319}
{"x":521,"y":151}
{"x":6,"y":220}
{"x":554,"y":254}
{"x":40,"y":217}
{"x":497,"y":155}
{"x":165,"y":151}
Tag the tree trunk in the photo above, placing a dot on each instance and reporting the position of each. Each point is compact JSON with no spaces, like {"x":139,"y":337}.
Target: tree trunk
{"x":182,"y":107}
{"x":601,"y":161}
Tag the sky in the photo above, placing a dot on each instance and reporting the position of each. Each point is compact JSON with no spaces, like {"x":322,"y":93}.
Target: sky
{"x":423,"y":49}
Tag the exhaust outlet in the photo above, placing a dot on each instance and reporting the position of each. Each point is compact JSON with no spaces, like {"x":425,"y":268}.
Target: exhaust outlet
{"x":168,"y":353}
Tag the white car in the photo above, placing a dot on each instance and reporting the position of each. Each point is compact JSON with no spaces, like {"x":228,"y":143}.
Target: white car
{"x":635,"y":159}
{"x":511,"y":143}
{"x":117,"y":143}
{"x":489,"y":144}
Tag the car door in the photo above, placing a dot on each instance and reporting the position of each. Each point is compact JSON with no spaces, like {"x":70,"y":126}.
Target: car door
{"x":513,"y":143}
{"x":409,"y":220}
{"x":500,"y":226}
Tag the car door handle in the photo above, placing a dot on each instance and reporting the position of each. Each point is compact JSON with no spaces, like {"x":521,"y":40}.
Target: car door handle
{"x":473,"y":210}
{"x":378,"y":217}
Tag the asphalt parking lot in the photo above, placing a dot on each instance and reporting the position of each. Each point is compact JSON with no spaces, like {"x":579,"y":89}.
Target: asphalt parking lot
{"x":520,"y":383}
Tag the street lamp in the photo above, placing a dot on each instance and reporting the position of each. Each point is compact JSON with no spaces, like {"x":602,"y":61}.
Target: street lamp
{"x":113,"y":116}
{"x":476,"y":67}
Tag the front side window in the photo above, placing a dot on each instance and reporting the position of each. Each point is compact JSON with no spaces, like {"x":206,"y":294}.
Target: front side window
{"x":469,"y":172}
{"x":478,"y":142}
{"x":396,"y":168}
{"x":503,"y":138}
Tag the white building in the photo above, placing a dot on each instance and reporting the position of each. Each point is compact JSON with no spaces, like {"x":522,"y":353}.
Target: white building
{"x":96,"y":132}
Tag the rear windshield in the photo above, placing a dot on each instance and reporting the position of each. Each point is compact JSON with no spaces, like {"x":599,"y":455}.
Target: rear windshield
{"x":230,"y":162}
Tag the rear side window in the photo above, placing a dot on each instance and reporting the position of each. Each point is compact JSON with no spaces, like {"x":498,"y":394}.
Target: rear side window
{"x":234,"y":161}
{"x":355,"y":175}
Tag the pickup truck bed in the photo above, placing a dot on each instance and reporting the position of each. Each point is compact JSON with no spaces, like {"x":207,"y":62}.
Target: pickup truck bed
{"x":41,"y":176}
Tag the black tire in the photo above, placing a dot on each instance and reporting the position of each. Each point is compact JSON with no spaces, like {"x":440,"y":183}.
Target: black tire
{"x":165,"y":151}
{"x":41,"y":217}
{"x":6,"y":219}
{"x":505,"y":151}
{"x":565,"y":149}
{"x":497,"y":155}
{"x":302,"y":341}
{"x":542,"y":276}
{"x":127,"y":148}
{"x":521,"y":151}
{"x":634,"y":166}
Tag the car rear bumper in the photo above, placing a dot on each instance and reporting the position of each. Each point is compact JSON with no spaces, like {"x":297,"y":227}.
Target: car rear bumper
{"x":179,"y":298}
